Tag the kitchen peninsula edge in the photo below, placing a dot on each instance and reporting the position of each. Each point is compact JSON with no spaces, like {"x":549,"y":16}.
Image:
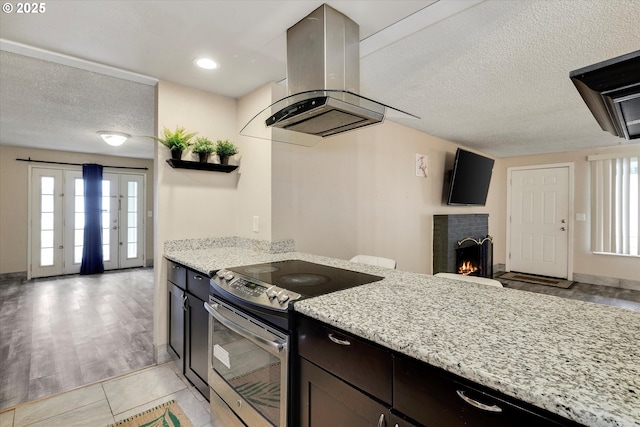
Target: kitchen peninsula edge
{"x":573,"y":358}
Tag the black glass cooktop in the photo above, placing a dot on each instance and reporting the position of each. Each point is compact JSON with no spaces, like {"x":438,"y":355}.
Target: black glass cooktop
{"x":306,"y":278}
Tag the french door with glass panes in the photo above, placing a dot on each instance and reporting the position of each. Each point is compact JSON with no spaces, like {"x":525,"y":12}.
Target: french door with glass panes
{"x":57,"y":221}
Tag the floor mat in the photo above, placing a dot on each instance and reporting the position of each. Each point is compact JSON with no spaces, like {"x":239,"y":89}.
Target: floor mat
{"x":538,"y":280}
{"x":166,"y":415}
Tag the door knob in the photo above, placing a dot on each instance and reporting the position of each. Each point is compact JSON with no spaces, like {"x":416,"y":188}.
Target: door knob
{"x":115,"y":227}
{"x":563,"y":228}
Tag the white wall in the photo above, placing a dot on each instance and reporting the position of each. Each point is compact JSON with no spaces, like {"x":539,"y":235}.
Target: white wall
{"x":190,"y":203}
{"x":358,"y":193}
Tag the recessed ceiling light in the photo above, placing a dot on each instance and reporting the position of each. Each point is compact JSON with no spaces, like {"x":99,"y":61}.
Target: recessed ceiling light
{"x":206,"y":63}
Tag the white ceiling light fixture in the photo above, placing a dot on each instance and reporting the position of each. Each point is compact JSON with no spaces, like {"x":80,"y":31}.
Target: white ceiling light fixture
{"x":206,"y":63}
{"x":113,"y":138}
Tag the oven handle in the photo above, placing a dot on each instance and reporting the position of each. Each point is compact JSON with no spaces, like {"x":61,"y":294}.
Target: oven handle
{"x":273,"y":347}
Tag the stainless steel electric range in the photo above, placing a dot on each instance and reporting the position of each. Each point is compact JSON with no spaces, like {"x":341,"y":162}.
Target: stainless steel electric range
{"x":250,"y":330}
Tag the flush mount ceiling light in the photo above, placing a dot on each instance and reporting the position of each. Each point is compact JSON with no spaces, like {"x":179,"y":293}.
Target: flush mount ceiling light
{"x":113,"y":138}
{"x":206,"y":63}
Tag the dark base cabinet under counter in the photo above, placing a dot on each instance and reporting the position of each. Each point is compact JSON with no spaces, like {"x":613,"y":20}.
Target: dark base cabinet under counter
{"x":348,"y":381}
{"x":436,"y":398}
{"x":189,"y":323}
{"x":344,"y":380}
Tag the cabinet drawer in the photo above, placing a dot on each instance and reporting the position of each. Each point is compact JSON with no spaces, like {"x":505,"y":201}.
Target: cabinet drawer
{"x":177,"y":274}
{"x":434,"y":398}
{"x":198,"y":284}
{"x":352,"y":359}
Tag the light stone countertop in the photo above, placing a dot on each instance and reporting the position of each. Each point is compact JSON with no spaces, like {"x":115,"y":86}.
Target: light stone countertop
{"x":577,"y":359}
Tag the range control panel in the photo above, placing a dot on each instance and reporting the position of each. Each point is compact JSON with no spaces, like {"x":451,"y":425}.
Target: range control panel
{"x":254,"y":291}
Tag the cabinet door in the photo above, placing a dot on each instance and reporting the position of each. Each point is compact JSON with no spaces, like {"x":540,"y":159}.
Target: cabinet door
{"x":197,"y":334}
{"x":176,"y":321}
{"x":397,"y":421}
{"x":327,"y":401}
{"x":177,"y":274}
{"x":435,"y":399}
{"x":362,"y":364}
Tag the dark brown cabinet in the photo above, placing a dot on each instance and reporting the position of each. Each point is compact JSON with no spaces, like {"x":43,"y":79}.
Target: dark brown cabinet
{"x":344,"y":380}
{"x":329,"y":401}
{"x":399,"y":421}
{"x":177,"y":284}
{"x":437,"y":398}
{"x":348,"y":381}
{"x":177,"y":301}
{"x":189,"y":323}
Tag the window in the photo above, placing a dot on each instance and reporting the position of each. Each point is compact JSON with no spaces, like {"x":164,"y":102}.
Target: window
{"x":614,"y":204}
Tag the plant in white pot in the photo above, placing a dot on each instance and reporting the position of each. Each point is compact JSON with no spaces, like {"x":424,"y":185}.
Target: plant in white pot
{"x":203,"y":147}
{"x":225,"y":149}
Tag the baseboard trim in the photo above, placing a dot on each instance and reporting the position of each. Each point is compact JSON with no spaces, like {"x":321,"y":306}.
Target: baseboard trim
{"x":161,"y":354}
{"x":607,"y":281}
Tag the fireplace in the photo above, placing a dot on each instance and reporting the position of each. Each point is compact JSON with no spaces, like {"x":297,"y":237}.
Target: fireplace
{"x":462,"y":231}
{"x":475,"y":257}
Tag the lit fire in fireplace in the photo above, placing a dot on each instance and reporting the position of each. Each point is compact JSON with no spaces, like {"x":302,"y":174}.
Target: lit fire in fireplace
{"x":467,"y":268}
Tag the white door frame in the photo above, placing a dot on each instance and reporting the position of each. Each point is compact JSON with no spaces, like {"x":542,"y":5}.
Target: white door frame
{"x":67,"y":207}
{"x":570,"y":219}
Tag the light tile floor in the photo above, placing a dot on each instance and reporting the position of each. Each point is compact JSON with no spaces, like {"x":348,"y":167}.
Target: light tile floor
{"x":113,"y":400}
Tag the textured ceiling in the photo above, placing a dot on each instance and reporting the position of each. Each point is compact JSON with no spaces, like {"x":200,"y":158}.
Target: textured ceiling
{"x":491,"y":75}
{"x":53,"y":106}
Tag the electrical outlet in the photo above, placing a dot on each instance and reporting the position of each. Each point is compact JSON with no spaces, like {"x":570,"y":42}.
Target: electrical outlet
{"x":256,"y":224}
{"x":581,"y":217}
{"x":150,"y":214}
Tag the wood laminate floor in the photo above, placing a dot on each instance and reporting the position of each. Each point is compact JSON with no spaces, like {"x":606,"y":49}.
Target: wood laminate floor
{"x":61,"y":333}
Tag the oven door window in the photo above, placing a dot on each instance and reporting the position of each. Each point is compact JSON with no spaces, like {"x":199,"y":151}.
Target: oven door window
{"x":252,"y":361}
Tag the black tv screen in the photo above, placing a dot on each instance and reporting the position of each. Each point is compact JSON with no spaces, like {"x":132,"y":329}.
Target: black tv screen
{"x":470,"y":179}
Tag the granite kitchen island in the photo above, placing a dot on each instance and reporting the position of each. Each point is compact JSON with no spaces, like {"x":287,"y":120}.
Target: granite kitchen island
{"x":577,"y":359}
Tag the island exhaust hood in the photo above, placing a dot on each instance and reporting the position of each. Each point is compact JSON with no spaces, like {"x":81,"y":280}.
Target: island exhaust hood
{"x":611,"y":90}
{"x":323,"y":81}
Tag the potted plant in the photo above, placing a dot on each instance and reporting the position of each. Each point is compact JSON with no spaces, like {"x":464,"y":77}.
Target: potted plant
{"x":177,"y":141}
{"x":203,"y":147}
{"x":224,"y":149}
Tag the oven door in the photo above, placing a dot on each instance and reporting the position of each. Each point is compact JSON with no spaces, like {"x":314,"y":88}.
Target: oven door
{"x":248,"y":365}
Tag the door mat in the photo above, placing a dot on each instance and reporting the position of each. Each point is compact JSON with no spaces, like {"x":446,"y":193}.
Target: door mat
{"x":538,"y":280}
{"x":166,"y":415}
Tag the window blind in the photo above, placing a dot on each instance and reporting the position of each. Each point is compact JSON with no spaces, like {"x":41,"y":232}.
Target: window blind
{"x":614,"y":204}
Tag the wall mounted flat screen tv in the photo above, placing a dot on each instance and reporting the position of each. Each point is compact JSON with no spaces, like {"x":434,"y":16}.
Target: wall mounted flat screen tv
{"x":470,"y":179}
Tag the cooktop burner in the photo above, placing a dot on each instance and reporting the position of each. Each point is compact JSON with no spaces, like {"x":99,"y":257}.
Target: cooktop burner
{"x":306,"y":278}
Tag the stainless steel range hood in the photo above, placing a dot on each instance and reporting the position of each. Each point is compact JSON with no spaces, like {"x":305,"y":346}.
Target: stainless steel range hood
{"x":611,"y":90}
{"x":323,"y":81}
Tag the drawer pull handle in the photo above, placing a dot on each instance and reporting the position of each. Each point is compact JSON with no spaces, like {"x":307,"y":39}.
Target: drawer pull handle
{"x":338,"y":340}
{"x":476,"y":404}
{"x":197,"y":277}
{"x":381,"y":422}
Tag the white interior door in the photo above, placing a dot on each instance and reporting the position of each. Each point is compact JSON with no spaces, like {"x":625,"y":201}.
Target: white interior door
{"x":46,"y":215}
{"x":539,"y":214}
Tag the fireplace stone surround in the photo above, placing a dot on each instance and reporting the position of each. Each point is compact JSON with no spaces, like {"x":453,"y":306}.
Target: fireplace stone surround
{"x":448,"y":230}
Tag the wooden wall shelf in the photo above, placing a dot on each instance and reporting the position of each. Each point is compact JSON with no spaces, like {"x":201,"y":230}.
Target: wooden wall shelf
{"x":215,"y":167}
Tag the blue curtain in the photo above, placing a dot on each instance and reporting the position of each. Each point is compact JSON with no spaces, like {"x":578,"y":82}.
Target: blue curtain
{"x":92,"y":259}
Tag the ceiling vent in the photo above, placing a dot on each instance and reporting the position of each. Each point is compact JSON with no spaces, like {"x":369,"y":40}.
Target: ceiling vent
{"x":611,"y":90}
{"x":323,"y":81}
